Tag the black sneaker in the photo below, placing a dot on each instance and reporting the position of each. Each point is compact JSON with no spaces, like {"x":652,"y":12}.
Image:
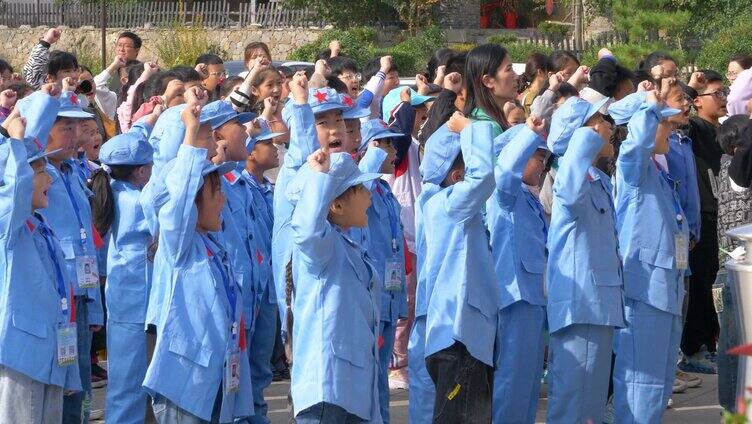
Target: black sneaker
{"x":98,"y":371}
{"x":281,"y":375}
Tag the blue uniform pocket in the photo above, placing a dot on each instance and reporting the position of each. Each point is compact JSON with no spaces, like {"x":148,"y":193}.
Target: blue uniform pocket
{"x":533,"y":266}
{"x":356,"y":355}
{"x":30,"y":326}
{"x":657,"y":258}
{"x":190,"y":350}
{"x":608,"y":278}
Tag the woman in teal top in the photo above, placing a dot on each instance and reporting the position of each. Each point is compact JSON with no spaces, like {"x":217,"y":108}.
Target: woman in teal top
{"x":490,"y":82}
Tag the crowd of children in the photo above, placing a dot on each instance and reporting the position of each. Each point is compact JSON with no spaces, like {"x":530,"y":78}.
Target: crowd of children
{"x":464,"y":237}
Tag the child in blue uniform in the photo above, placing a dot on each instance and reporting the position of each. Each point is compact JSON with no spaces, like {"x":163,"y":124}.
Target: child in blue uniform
{"x":518,"y":232}
{"x":460,"y":287}
{"x":200,"y":369}
{"x":38,"y":324}
{"x":69,"y":216}
{"x":386,"y":244}
{"x":585,"y":300}
{"x":250,"y":195}
{"x":654,"y":240}
{"x":127,"y":163}
{"x":336,"y":303}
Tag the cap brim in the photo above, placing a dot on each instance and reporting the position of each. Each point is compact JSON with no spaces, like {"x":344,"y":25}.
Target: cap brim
{"x":360,"y":179}
{"x":598,"y":107}
{"x":386,"y":135}
{"x":328,"y":107}
{"x":74,"y":114}
{"x":43,"y":155}
{"x":356,"y":113}
{"x":269,"y":136}
{"x":221,"y":169}
{"x":420,"y":99}
{"x":669,"y":112}
{"x":242,"y":118}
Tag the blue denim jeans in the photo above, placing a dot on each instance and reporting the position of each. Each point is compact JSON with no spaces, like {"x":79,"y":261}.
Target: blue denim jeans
{"x":77,"y":406}
{"x":728,"y":365}
{"x":166,"y":412}
{"x":326,"y":413}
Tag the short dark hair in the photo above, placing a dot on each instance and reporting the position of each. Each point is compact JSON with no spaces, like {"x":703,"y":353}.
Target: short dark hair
{"x":336,"y":84}
{"x":158,"y":85}
{"x":187,"y":74}
{"x":135,"y":38}
{"x":567,"y":89}
{"x":255,"y":45}
{"x":655,"y":58}
{"x":209,"y":59}
{"x":735,"y":132}
{"x":61,"y":61}
{"x":19,"y":87}
{"x":744,"y":60}
{"x":286,"y":71}
{"x":373,"y":66}
{"x":439,"y":57}
{"x":712,"y":76}
{"x":340,"y":64}
{"x":5,"y":66}
{"x":230,"y":85}
{"x":456,"y":63}
{"x":559,"y":59}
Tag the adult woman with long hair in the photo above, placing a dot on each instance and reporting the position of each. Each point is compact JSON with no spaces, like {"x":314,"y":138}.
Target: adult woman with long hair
{"x":490,"y":82}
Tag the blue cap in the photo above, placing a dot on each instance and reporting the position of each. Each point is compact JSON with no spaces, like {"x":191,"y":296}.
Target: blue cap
{"x":40,"y":110}
{"x":507,"y":136}
{"x":375,"y":129}
{"x":343,"y":171}
{"x":160,"y":195}
{"x":265,"y":134}
{"x":442,"y":148}
{"x":325,"y":99}
{"x":567,"y":118}
{"x":623,"y":110}
{"x":392,"y":99}
{"x":126,"y":149}
{"x":35,"y":150}
{"x":353,"y":111}
{"x":218,"y":113}
{"x":70,"y":106}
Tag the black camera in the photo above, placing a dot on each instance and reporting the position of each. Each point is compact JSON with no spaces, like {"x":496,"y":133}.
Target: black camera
{"x":85,"y":87}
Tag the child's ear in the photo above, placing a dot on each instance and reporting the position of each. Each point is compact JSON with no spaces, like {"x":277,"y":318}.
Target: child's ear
{"x":697,"y":102}
{"x":50,"y":78}
{"x":123,"y":80}
{"x":336,"y":208}
{"x":457,"y":175}
{"x":255,"y":91}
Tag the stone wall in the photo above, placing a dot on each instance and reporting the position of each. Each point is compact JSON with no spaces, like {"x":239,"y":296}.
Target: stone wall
{"x":460,"y":14}
{"x":15,"y":43}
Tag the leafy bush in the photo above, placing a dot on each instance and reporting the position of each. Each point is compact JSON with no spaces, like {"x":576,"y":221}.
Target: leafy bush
{"x":87,"y":54}
{"x":735,"y":39}
{"x":503,"y":39}
{"x":520,"y":50}
{"x":410,"y":55}
{"x":630,"y":54}
{"x":462,"y":47}
{"x":180,"y":44}
{"x":554,"y":30}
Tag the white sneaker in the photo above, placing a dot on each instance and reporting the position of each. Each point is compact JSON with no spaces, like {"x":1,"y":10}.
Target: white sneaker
{"x":670,"y":403}
{"x":679,"y":386}
{"x":609,"y":415}
{"x":397,"y":381}
{"x":691,"y":380}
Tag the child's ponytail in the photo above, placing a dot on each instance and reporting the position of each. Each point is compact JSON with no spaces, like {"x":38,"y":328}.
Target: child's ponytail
{"x":103,"y":202}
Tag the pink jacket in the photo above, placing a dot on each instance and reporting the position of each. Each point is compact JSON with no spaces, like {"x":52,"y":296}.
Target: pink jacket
{"x":740,"y":94}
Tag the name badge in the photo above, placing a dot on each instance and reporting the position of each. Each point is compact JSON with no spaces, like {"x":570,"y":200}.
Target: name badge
{"x":682,"y":251}
{"x":393,"y":276}
{"x":67,"y":344}
{"x":231,"y":381}
{"x":87,"y":272}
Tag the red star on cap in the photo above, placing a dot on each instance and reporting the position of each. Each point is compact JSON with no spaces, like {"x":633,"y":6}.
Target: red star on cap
{"x":320,"y":96}
{"x":74,"y":99}
{"x":347,"y":100}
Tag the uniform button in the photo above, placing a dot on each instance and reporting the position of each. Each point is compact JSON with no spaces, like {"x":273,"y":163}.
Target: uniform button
{"x":603,"y":211}
{"x":242,"y":182}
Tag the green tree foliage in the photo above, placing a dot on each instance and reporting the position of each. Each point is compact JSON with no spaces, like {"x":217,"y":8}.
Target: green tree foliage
{"x":180,"y":44}
{"x":630,"y":54}
{"x":735,"y":39}
{"x":708,"y":17}
{"x":410,"y":55}
{"x":647,"y":20}
{"x":342,"y":13}
{"x":414,"y":13}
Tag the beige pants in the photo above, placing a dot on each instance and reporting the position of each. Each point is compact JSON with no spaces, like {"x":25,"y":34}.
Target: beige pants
{"x":27,"y":401}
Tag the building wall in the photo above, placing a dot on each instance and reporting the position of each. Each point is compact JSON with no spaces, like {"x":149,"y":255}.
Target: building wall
{"x":16,"y":43}
{"x":460,"y":14}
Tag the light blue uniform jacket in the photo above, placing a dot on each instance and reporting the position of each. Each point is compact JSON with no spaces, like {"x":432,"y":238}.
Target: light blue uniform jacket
{"x":188,"y":363}
{"x":386,"y":240}
{"x":584,"y":268}
{"x":128,"y":270}
{"x":518,"y":230}
{"x":303,"y":142}
{"x":683,"y":170}
{"x":648,"y":218}
{"x":336,"y":308}
{"x":62,"y":218}
{"x":261,"y":212}
{"x":461,"y":288}
{"x":29,"y":299}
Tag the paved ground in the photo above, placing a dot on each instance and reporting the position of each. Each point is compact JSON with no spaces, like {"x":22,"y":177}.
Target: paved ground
{"x":696,"y":406}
